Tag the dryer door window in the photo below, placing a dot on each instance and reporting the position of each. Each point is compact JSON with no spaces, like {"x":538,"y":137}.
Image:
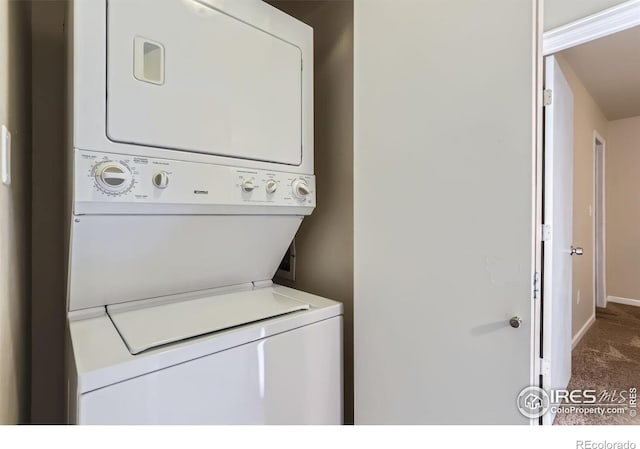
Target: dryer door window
{"x":184,"y":76}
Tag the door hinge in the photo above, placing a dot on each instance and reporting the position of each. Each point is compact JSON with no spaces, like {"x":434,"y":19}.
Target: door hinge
{"x":547,"y":97}
{"x":536,"y":285}
{"x":546,"y":232}
{"x":545,"y":367}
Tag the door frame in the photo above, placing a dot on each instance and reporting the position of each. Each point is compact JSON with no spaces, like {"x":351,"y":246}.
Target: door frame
{"x":599,"y":144}
{"x":604,"y":23}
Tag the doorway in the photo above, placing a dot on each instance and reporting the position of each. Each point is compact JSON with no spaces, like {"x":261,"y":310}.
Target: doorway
{"x":599,"y":221}
{"x":606,"y":115}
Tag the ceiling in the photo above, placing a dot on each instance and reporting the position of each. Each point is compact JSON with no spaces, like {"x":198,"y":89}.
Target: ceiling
{"x":610,"y":70}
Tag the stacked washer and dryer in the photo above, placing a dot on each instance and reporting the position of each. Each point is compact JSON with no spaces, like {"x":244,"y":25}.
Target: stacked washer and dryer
{"x":191,"y":155}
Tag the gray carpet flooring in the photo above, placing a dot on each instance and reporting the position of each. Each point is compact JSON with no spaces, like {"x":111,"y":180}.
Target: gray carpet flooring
{"x":607,"y":358}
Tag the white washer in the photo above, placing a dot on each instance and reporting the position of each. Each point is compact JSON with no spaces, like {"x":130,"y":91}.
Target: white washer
{"x":192,"y":168}
{"x":284,"y":370}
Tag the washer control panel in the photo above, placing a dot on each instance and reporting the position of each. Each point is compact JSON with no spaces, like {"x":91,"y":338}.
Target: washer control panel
{"x":107,"y":177}
{"x":112,"y":177}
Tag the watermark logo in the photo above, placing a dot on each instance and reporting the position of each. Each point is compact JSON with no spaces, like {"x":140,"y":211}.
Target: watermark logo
{"x":533,"y":402}
{"x":590,"y":444}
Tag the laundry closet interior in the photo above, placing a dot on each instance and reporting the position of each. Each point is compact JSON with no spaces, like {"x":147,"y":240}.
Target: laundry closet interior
{"x":322,"y":258}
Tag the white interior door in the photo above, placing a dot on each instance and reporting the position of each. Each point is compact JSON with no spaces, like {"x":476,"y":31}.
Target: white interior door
{"x":444,"y":107}
{"x":558,"y":220}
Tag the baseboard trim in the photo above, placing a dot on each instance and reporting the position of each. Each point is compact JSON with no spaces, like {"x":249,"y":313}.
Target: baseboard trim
{"x":627,"y":301}
{"x":583,"y":330}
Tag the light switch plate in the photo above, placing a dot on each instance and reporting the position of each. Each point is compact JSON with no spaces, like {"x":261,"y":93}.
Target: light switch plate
{"x":5,"y":142}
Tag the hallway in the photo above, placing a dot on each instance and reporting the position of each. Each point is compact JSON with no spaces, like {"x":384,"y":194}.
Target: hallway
{"x":607,"y":358}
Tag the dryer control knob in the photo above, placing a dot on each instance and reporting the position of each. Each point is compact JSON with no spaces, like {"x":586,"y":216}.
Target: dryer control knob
{"x":161,"y":180}
{"x":301,"y":188}
{"x":272,"y":186}
{"x":248,"y":186}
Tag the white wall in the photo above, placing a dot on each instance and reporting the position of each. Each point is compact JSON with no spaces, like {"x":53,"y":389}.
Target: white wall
{"x":15,"y":113}
{"x":561,"y":12}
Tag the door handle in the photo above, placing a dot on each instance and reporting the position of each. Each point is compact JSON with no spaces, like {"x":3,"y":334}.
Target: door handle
{"x":515,"y":322}
{"x":576,"y":251}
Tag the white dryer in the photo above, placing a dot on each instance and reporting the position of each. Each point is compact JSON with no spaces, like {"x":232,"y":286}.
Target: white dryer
{"x":192,"y":159}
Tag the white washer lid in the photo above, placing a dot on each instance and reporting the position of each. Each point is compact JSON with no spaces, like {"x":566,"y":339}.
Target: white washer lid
{"x":156,"y":325}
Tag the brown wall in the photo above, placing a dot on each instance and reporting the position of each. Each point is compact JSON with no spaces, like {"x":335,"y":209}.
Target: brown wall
{"x":48,"y":261}
{"x":587,"y":118}
{"x":324,"y":244}
{"x":15,"y":224}
{"x":622,"y":186}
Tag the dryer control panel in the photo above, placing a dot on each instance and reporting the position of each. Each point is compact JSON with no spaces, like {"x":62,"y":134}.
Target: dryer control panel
{"x":116,"y":183}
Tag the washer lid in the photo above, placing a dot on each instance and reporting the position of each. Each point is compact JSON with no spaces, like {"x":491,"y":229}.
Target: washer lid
{"x":156,"y":325}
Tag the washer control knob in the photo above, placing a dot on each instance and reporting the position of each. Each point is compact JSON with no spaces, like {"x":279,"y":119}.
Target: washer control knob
{"x":272,"y":186}
{"x":301,"y":188}
{"x":248,"y":186}
{"x":161,"y":180}
{"x":113,"y":177}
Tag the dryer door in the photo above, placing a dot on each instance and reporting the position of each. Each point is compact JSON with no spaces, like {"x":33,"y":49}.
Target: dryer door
{"x":186,"y":76}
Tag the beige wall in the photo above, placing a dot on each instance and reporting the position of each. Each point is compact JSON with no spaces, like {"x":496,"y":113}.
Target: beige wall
{"x":587,"y":118}
{"x":560,"y":12}
{"x":623,"y":208}
{"x":48,"y":238}
{"x":324,"y":244}
{"x":15,"y":113}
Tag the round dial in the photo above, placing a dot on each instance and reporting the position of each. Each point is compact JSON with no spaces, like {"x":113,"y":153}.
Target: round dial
{"x":301,"y":189}
{"x":113,"y":177}
{"x":248,"y":186}
{"x":271,"y":186}
{"x":161,"y":180}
